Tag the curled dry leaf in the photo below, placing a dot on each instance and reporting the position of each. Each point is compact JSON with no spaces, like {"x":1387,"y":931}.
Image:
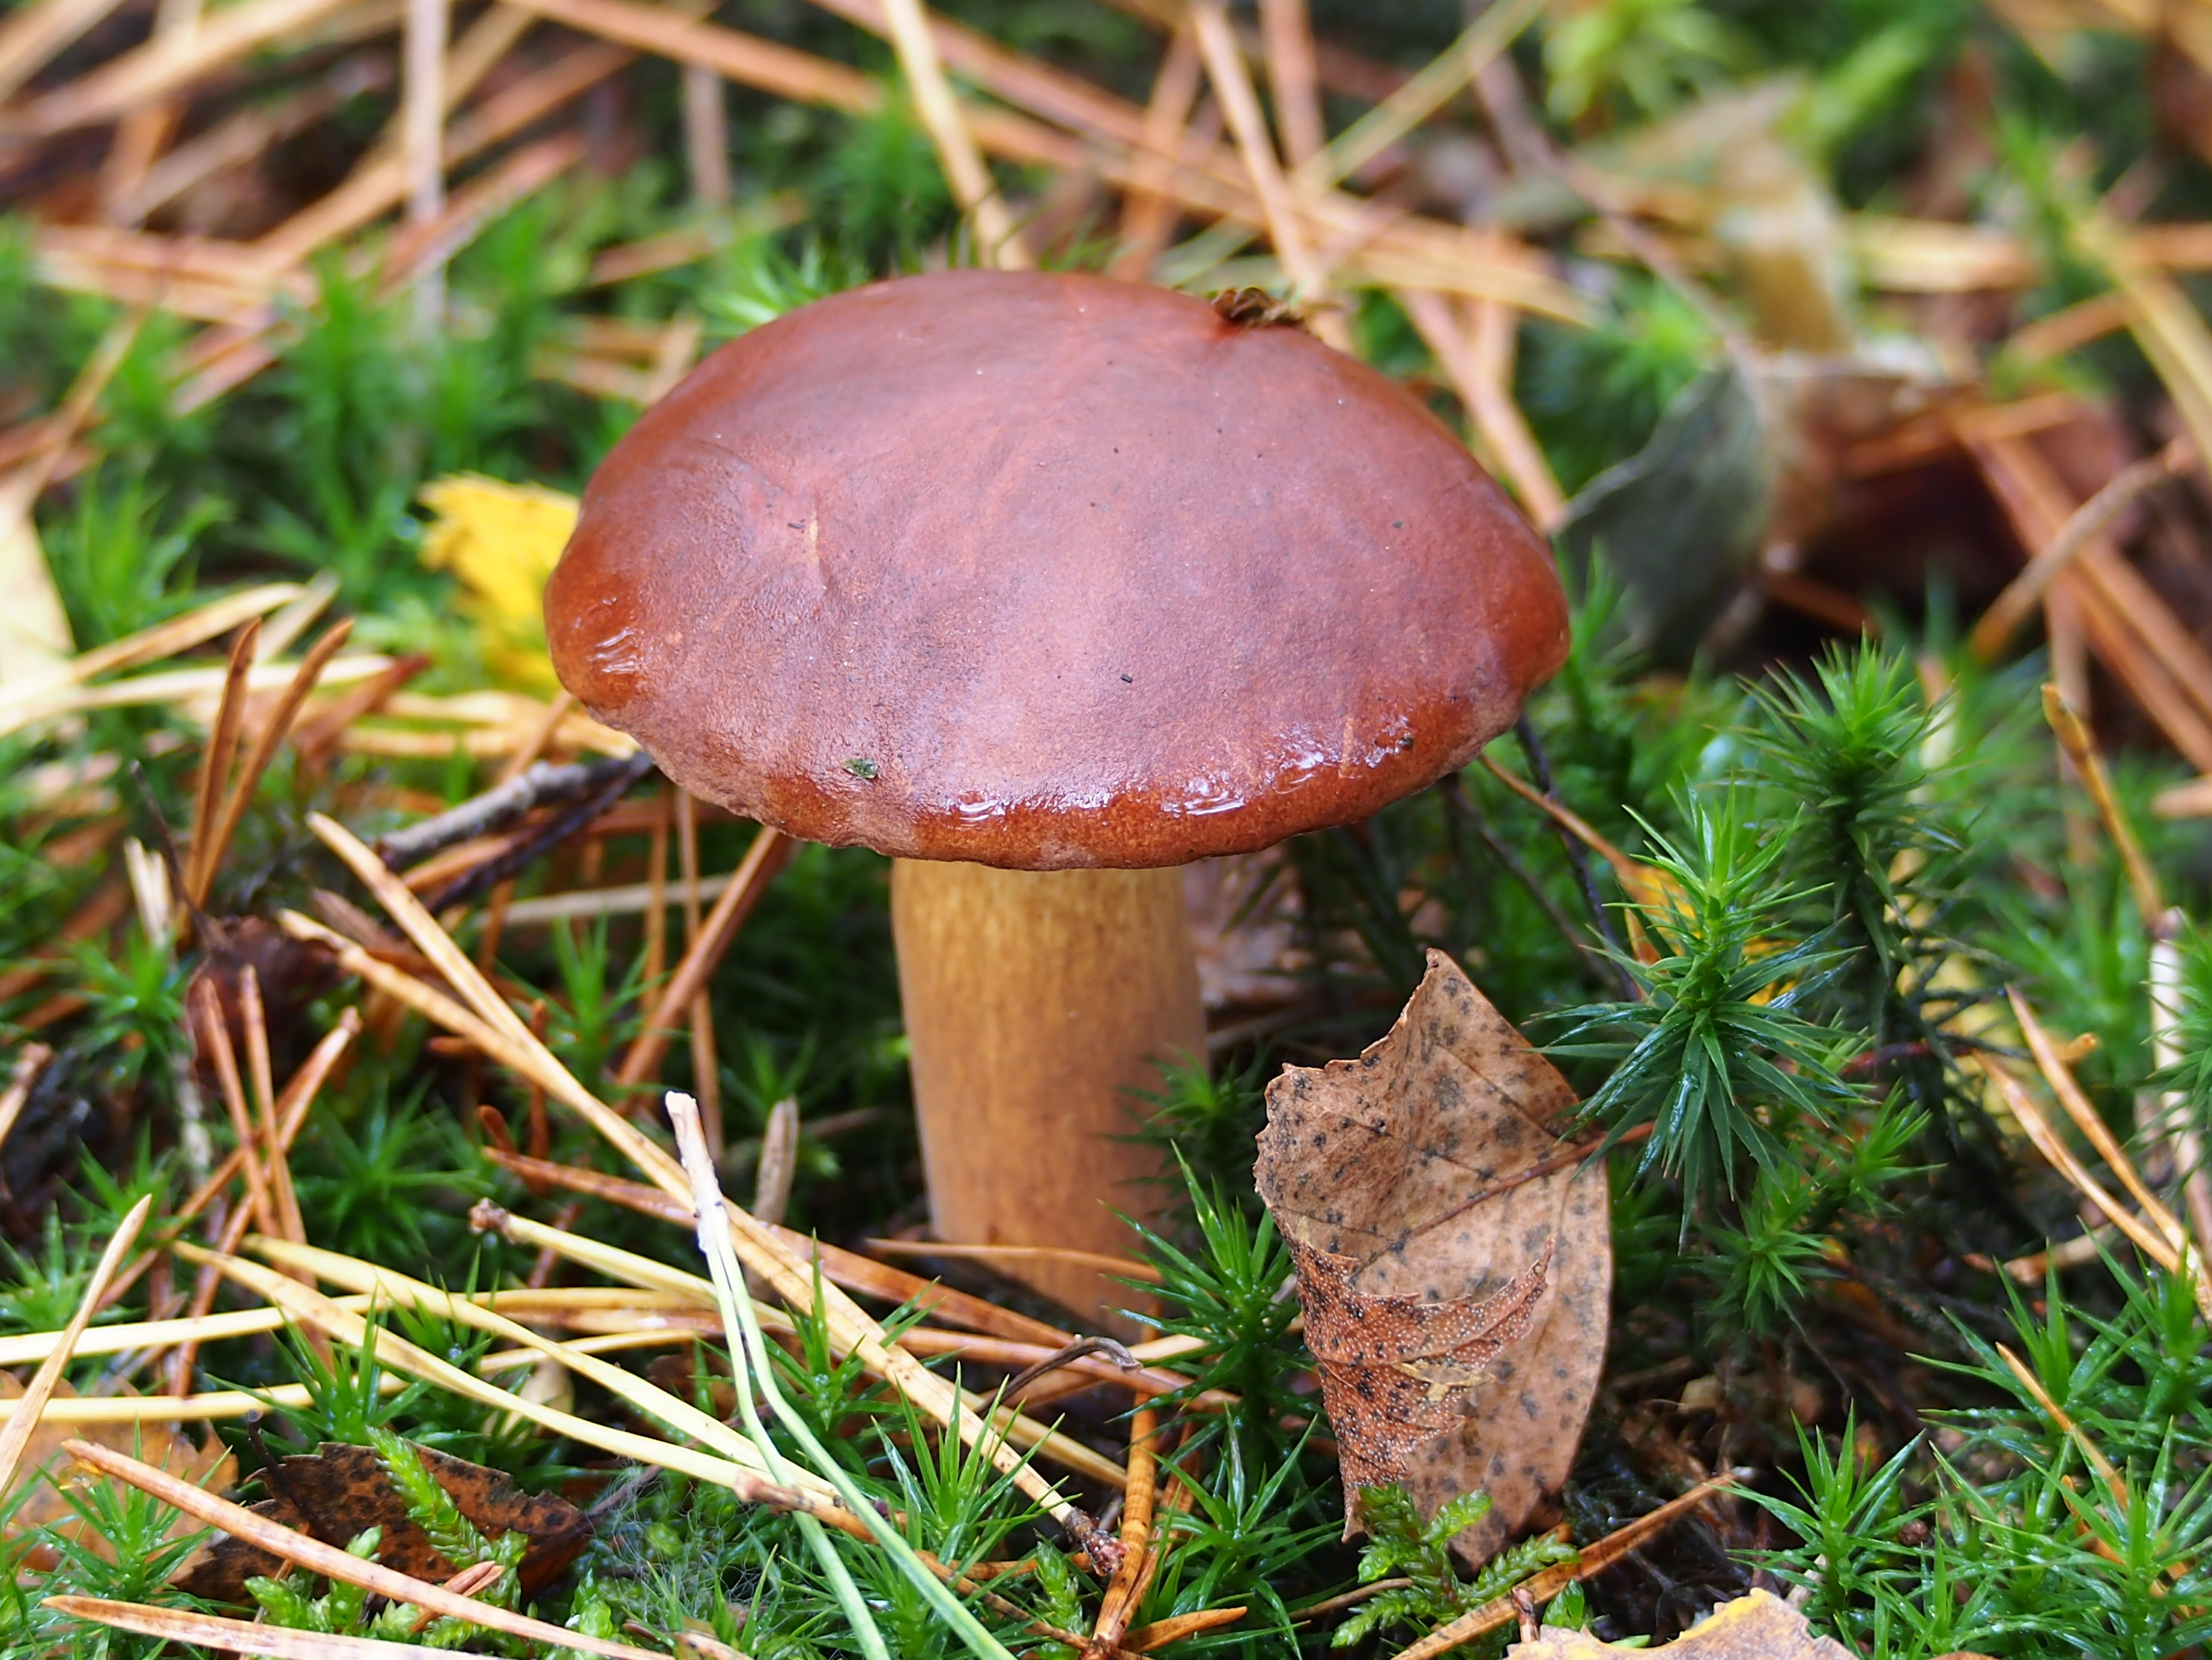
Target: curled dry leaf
{"x":1454,"y":1266}
{"x":340,"y":1491}
{"x":1758,"y":1627}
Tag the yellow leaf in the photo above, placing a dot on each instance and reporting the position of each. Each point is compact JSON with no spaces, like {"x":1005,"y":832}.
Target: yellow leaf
{"x":502,"y":541}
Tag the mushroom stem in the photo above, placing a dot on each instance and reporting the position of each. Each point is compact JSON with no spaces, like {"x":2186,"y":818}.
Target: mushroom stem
{"x":1036,"y":1002}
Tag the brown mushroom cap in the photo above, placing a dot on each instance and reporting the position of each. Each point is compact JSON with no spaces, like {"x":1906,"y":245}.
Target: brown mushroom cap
{"x":1044,"y":571}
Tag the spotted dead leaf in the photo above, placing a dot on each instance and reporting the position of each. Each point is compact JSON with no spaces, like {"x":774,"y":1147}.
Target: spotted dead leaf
{"x":1758,"y":1627}
{"x":49,"y":1473}
{"x":340,"y":1491}
{"x":1454,"y":1263}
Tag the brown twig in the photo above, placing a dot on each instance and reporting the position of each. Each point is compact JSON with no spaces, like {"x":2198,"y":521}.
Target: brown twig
{"x":266,"y":742}
{"x":1147,"y":213}
{"x":215,"y":765}
{"x":2089,"y":1121}
{"x":1118,"y":1607}
{"x":537,"y":841}
{"x":1129,"y":1268}
{"x":702,"y":954}
{"x":1293,"y":78}
{"x":2073,"y":738}
{"x":215,"y":1034}
{"x":2010,"y":608}
{"x":1593,"y":1559}
{"x":2114,"y":1483}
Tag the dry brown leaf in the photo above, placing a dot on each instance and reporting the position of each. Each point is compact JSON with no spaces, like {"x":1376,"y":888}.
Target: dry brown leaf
{"x":165,"y":1446}
{"x":340,"y":1491}
{"x":1453,"y":1266}
{"x":1758,"y":1627}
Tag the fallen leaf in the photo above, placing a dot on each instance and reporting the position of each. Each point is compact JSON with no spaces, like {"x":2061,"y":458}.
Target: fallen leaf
{"x":164,"y":1445}
{"x":502,"y":541}
{"x":1680,"y":523}
{"x":1454,"y":1266}
{"x":1758,"y":1627}
{"x":340,"y":1491}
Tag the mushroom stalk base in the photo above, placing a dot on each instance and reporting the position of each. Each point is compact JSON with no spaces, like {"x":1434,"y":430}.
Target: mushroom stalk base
{"x":1035,"y":1001}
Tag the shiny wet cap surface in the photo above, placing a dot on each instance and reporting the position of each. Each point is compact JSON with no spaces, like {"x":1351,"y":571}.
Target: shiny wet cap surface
{"x":1044,"y":571}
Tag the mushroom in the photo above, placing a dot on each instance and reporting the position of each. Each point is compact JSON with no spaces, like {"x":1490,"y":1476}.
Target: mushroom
{"x":1045,"y":585}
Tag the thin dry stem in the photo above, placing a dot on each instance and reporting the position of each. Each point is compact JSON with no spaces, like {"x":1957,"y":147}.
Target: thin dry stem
{"x":266,"y":742}
{"x":2010,"y":608}
{"x":2073,"y":737}
{"x":216,"y":1034}
{"x":1593,"y":1559}
{"x":214,"y":767}
{"x":2113,"y":1481}
{"x":24,"y":1413}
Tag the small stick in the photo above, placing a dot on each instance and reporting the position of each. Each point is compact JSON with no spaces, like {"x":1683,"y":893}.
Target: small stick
{"x":1067,"y":1356}
{"x":34,"y":35}
{"x":24,"y":1413}
{"x":285,"y":1201}
{"x":707,"y":136}
{"x":1128,"y":1267}
{"x":845,"y":1267}
{"x":1422,"y":95}
{"x":2073,"y":1432}
{"x":1225,"y":67}
{"x":2089,"y":1121}
{"x":704,"y":953}
{"x":1148,"y":214}
{"x":1593,"y":1559}
{"x":423,"y":119}
{"x":2146,"y":1238}
{"x":2010,"y":608}
{"x":266,"y":742}
{"x":2073,"y":735}
{"x":537,"y":784}
{"x":1119,"y":1605}
{"x":1177,"y":1627}
{"x":225,"y":1059}
{"x":534,"y":841}
{"x":1286,"y":37}
{"x":214,"y":767}
{"x":965,"y":169}
{"x":1488,"y":404}
{"x":778,"y":1162}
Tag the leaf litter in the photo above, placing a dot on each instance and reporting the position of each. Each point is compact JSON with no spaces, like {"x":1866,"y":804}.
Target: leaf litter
{"x":340,"y":1491}
{"x":1454,"y":1269}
